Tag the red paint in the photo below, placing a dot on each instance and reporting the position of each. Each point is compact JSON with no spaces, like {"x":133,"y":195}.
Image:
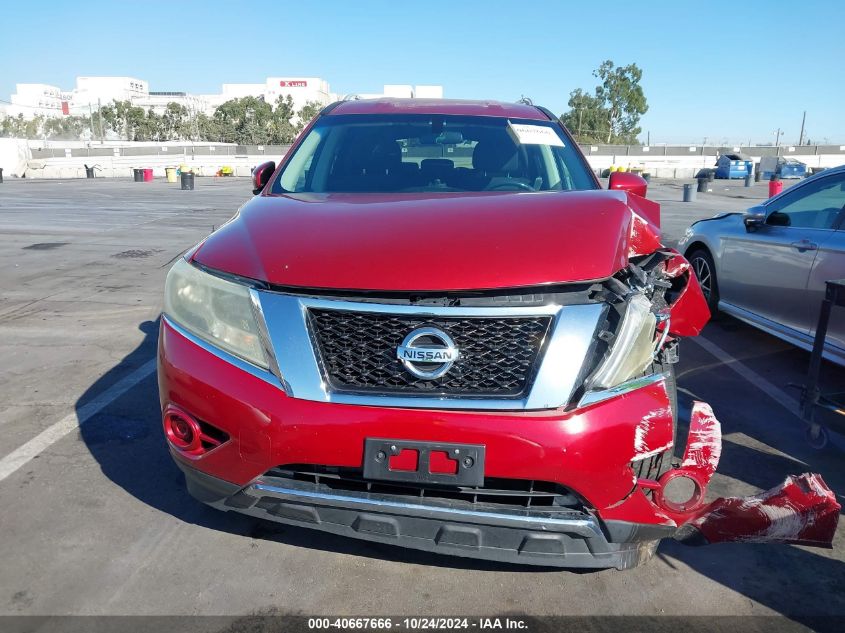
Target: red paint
{"x":186,"y":435}
{"x":627,"y":181}
{"x":801,"y":511}
{"x":261,"y":175}
{"x":439,"y":106}
{"x":689,"y":312}
{"x":775,"y":187}
{"x":407,"y":459}
{"x":701,"y":458}
{"x":440,"y":462}
{"x":65,"y":108}
{"x":588,"y":450}
{"x":182,"y":430}
{"x":386,"y":241}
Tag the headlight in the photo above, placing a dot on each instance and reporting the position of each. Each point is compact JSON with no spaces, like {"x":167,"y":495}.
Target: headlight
{"x":215,"y":310}
{"x":633,"y":347}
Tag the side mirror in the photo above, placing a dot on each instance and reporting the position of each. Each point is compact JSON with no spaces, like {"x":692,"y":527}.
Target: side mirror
{"x":626,"y":181}
{"x":261,"y":176}
{"x":754,"y":218}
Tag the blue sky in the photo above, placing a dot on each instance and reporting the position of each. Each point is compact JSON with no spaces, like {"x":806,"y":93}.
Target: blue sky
{"x":729,"y":71}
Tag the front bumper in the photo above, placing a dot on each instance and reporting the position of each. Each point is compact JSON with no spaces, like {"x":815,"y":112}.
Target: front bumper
{"x":588,"y":450}
{"x":572,"y":539}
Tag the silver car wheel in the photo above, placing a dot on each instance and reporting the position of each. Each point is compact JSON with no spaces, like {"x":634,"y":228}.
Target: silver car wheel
{"x":705,"y":276}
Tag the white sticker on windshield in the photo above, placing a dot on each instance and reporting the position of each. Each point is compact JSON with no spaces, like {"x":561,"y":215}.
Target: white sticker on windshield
{"x":527,"y":134}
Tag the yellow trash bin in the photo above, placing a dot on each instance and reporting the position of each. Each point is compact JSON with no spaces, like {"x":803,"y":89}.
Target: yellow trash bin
{"x":170,"y":172}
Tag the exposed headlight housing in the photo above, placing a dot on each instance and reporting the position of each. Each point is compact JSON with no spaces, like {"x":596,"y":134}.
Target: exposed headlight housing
{"x":633,"y":347}
{"x":217,"y":311}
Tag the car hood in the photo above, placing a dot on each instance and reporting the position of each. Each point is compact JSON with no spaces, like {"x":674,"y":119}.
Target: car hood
{"x":432,"y":242}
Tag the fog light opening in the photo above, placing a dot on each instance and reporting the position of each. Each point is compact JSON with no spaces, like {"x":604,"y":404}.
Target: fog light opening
{"x":679,"y":491}
{"x":182,"y":430}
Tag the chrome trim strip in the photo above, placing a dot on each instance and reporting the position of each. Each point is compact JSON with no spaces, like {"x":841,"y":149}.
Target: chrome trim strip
{"x":593,"y":397}
{"x":571,"y":335}
{"x":446,"y":311}
{"x":585,"y":527}
{"x":264,"y":336}
{"x":240,"y":363}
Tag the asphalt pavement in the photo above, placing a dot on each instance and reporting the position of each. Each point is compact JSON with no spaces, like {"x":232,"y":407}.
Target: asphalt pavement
{"x":99,"y":522}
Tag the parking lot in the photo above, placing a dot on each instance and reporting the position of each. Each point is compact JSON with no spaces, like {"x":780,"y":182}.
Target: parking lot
{"x":97,"y":520}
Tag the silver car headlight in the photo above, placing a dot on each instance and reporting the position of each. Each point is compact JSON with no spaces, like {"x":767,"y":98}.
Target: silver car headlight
{"x":217,"y":311}
{"x":633,"y":347}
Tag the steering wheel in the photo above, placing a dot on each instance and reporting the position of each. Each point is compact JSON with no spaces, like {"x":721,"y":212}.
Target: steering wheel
{"x":514,"y":184}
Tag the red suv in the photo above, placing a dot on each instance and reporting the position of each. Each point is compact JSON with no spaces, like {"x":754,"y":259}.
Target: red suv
{"x":432,"y":328}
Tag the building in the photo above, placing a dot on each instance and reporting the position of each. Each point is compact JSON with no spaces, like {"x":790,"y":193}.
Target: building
{"x":92,"y":93}
{"x":302,"y":90}
{"x":404,"y":91}
{"x":97,"y":91}
{"x":31,"y":100}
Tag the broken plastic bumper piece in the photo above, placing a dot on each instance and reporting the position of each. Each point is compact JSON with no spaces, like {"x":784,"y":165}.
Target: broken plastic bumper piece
{"x":801,"y":511}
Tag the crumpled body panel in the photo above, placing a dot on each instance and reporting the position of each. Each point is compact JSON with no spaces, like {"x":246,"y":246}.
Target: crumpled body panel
{"x":801,"y":511}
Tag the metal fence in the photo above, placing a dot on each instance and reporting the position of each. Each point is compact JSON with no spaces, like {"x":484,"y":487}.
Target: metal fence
{"x":710,"y":150}
{"x":177,"y":151}
{"x":277,"y":151}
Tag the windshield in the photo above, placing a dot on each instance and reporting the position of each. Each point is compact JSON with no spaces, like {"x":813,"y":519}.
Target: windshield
{"x":433,"y":153}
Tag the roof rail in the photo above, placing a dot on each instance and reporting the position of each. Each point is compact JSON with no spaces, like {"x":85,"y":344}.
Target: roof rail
{"x":351,"y":97}
{"x":330,"y":107}
{"x":547,"y":112}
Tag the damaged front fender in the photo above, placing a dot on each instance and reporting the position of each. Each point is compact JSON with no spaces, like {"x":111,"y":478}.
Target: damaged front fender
{"x":689,"y":312}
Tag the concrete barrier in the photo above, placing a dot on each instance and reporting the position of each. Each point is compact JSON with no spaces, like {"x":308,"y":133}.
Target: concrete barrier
{"x":118,"y":162}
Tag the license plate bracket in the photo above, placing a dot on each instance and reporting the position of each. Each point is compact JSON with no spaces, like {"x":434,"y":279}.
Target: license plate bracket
{"x":469,"y":458}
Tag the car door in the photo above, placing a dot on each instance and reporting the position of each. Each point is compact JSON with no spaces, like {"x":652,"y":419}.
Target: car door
{"x":829,"y":265}
{"x":766,"y":271}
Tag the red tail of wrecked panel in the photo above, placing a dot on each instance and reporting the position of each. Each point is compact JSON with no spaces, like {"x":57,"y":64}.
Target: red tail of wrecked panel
{"x":800,"y":511}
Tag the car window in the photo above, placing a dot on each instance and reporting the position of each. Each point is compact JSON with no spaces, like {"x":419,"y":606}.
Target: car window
{"x":425,"y":153}
{"x":816,"y":205}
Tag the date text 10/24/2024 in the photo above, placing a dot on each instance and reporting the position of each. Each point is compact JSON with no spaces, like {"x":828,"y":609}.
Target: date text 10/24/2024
{"x":416,"y":623}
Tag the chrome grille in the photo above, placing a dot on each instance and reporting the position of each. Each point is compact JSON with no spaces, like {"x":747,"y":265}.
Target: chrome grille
{"x":498,"y":355}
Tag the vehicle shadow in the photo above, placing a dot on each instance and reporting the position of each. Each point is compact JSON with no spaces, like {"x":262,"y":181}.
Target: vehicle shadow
{"x":126,"y":440}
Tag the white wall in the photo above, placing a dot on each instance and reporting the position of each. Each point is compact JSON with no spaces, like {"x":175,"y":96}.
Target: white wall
{"x":678,"y":167}
{"x":122,"y":166}
{"x":683,"y":167}
{"x":14,"y":155}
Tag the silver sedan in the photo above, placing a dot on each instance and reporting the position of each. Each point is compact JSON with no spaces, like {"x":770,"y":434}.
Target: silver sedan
{"x":768,"y":266}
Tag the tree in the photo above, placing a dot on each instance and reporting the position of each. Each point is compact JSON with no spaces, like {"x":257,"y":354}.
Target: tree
{"x":306,"y":113}
{"x":68,"y":128}
{"x":282,"y":129}
{"x":175,"y":123}
{"x":246,"y":121}
{"x":585,"y":118}
{"x":612,"y":113}
{"x":116,"y":118}
{"x":208,"y":128}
